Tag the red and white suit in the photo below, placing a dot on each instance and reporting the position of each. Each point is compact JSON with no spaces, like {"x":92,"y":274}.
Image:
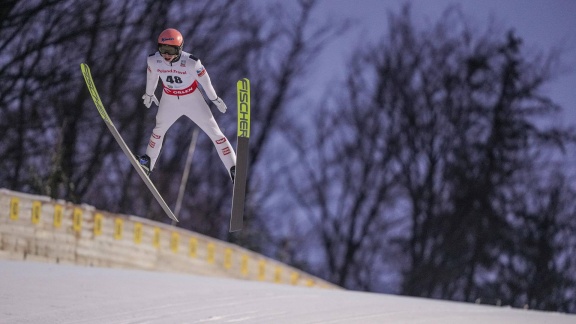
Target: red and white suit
{"x":181,"y":96}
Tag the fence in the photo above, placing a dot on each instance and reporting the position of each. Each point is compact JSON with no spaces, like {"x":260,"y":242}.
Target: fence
{"x":38,"y":228}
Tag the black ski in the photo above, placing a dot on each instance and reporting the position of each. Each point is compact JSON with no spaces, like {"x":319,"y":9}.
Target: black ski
{"x":239,"y":194}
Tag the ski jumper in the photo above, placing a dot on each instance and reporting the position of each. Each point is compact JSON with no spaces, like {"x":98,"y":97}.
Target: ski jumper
{"x":181,"y":96}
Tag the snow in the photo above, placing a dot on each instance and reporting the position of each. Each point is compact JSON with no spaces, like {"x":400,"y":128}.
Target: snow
{"x":56,"y":293}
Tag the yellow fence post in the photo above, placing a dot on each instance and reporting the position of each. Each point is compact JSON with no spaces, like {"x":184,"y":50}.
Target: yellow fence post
{"x":137,"y":233}
{"x":193,"y":246}
{"x":14,"y":208}
{"x":98,"y":220}
{"x":244,"y":265}
{"x":310,"y":283}
{"x":294,"y":278}
{"x":36,"y":210}
{"x":210,"y":257}
{"x":227,"y":258}
{"x":156,"y":238}
{"x":278,"y":274}
{"x":262,"y":270}
{"x":118,"y":227}
{"x":174,"y":241}
{"x":58,"y":213}
{"x":77,"y":220}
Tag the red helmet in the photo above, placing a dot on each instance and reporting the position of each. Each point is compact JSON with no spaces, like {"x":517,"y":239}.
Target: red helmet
{"x":170,"y":42}
{"x":171,"y":36}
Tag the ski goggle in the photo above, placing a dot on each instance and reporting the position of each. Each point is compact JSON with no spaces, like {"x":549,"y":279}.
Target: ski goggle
{"x":168,"y":49}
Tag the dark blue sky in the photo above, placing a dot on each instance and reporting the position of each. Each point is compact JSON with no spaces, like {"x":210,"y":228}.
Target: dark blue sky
{"x":541,"y":23}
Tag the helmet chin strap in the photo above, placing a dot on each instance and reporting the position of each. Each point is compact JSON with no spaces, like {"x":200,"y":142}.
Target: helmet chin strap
{"x":175,"y":59}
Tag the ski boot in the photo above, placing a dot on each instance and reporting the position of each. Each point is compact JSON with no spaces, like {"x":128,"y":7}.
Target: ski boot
{"x":233,"y":173}
{"x":144,"y":161}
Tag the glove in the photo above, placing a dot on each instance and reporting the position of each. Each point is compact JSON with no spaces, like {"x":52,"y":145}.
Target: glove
{"x":149,"y":99}
{"x":220,"y":104}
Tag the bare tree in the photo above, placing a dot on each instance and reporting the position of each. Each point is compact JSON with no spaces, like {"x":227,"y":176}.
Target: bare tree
{"x":432,"y":146}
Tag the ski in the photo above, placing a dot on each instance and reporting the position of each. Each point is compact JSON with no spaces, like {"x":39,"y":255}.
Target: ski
{"x":243,"y":136}
{"x":125,"y":149}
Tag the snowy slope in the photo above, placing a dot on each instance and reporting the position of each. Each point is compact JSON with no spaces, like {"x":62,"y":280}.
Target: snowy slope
{"x":50,"y":293}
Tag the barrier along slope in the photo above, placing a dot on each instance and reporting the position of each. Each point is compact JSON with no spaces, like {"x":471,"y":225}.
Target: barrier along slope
{"x":38,"y":228}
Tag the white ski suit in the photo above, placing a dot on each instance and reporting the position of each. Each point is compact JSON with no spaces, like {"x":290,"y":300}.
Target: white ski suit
{"x":181,"y":96}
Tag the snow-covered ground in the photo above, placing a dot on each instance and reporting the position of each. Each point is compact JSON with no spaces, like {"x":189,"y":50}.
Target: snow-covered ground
{"x":50,"y":293}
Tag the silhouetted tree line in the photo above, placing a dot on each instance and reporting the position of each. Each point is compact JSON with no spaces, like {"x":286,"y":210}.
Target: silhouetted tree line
{"x":434,"y":172}
{"x":429,"y":172}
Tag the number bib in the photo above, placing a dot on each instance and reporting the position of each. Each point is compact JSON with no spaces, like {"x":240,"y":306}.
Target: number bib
{"x":178,"y":78}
